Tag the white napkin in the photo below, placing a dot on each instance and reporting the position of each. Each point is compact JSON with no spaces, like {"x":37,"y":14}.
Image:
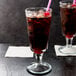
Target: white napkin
{"x":19,"y":51}
{"x":58,"y":53}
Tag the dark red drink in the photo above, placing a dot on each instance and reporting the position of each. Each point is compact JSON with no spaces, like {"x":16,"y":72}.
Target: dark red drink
{"x":38,"y":31}
{"x":68,"y":19}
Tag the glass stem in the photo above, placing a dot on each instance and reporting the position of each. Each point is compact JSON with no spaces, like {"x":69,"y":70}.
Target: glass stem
{"x":39,"y":57}
{"x":69,"y":42}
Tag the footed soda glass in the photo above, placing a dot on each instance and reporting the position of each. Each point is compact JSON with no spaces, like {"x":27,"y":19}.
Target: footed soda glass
{"x":38,"y":25}
{"x":68,"y":24}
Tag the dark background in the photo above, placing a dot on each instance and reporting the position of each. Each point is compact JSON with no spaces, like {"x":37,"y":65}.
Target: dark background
{"x":13,"y":28}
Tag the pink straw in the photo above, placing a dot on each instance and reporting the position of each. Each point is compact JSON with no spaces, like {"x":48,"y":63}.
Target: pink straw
{"x":48,"y":6}
{"x":74,"y":1}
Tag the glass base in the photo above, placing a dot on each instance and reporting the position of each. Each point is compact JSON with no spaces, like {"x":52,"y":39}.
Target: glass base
{"x":67,"y":50}
{"x":41,"y":68}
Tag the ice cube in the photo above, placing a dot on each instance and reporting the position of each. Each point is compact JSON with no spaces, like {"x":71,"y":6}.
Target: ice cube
{"x":68,"y":6}
{"x":28,"y":14}
{"x":41,"y":11}
{"x":40,"y":14}
{"x":34,"y":14}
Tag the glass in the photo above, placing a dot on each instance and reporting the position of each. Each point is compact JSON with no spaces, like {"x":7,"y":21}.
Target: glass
{"x":38,"y":25}
{"x":68,"y":24}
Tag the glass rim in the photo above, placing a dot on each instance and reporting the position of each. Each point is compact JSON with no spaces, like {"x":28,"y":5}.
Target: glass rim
{"x":36,"y":8}
{"x":63,"y":2}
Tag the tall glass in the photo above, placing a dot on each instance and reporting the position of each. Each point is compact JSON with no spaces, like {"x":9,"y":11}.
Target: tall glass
{"x":68,"y":24}
{"x":38,"y":24}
